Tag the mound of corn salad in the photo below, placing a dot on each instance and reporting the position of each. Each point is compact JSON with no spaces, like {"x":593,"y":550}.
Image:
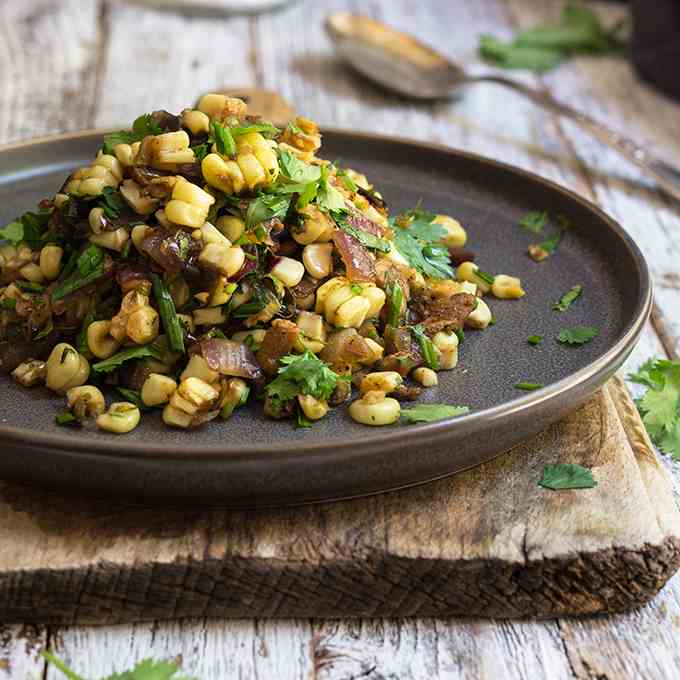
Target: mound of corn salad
{"x":207,"y":259}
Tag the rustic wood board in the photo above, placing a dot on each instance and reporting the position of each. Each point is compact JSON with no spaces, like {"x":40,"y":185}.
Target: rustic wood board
{"x":486,"y":543}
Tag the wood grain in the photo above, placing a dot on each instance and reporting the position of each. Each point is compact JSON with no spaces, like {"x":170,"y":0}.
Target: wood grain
{"x":51,"y":89}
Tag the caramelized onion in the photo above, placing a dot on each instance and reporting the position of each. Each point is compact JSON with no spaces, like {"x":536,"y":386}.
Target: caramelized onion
{"x":231,"y":358}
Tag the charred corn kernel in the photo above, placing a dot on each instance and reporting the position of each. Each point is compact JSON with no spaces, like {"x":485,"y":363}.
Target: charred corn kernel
{"x":221,"y":292}
{"x":121,"y":418}
{"x":66,"y":368}
{"x":507,"y":287}
{"x":32,"y":272}
{"x":131,"y":302}
{"x":85,"y":401}
{"x":175,"y":417}
{"x":253,"y":172}
{"x":135,"y":198}
{"x":99,"y":340}
{"x":252,"y":338}
{"x":105,"y":170}
{"x":466,"y":271}
{"x":480,"y":317}
{"x":377,"y":352}
{"x":30,"y":373}
{"x":468,"y":287}
{"x":315,"y":226}
{"x":189,"y":205}
{"x":232,"y":227}
{"x":60,"y":200}
{"x":314,"y":409}
{"x":193,"y":395}
{"x":288,"y":271}
{"x":425,"y":376}
{"x":311,"y":325}
{"x":209,"y":316}
{"x":375,"y":296}
{"x":235,"y":393}
{"x":111,"y":240}
{"x":125,"y":154}
{"x":166,"y":150}
{"x":265,"y":169}
{"x":198,"y":368}
{"x":353,"y":313}
{"x":303,"y":135}
{"x":374,"y":408}
{"x":221,"y":107}
{"x":223,"y":174}
{"x":210,"y":234}
{"x":139,"y":233}
{"x":447,"y":346}
{"x":179,"y":290}
{"x":314,"y":346}
{"x":142,"y":325}
{"x":455,"y":236}
{"x":195,"y":121}
{"x":382,"y":381}
{"x":444,"y":288}
{"x":222,"y":259}
{"x":96,"y":220}
{"x":317,"y":259}
{"x":202,"y":297}
{"x":157,"y":389}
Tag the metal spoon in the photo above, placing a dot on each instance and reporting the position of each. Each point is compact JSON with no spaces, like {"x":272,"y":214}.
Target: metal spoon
{"x":401,"y":63}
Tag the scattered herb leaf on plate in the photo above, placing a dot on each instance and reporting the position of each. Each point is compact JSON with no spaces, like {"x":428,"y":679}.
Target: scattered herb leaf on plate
{"x":577,"y":335}
{"x":428,"y":413}
{"x":568,"y":298}
{"x":528,"y":386}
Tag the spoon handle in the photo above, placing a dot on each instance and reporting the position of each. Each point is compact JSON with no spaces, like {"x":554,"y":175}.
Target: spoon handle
{"x":663,"y":174}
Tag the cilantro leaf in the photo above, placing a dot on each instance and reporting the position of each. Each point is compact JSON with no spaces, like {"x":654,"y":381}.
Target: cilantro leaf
{"x":428,"y":413}
{"x":647,"y":374}
{"x":577,"y":335}
{"x":328,"y":198}
{"x":528,"y":386}
{"x":535,"y":339}
{"x":670,"y":441}
{"x":90,"y":259}
{"x":550,"y":244}
{"x":661,"y":407}
{"x":29,"y":227}
{"x":296,"y":170}
{"x":516,"y":56}
{"x":534,"y":221}
{"x":302,"y":374}
{"x":117,"y":360}
{"x":201,"y":151}
{"x":364,"y":237}
{"x":111,"y":202}
{"x":567,"y":476}
{"x":265,"y":207}
{"x":568,"y":298}
{"x":143,"y":126}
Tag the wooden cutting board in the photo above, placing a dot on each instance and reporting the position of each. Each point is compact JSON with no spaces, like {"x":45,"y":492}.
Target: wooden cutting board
{"x":486,"y":543}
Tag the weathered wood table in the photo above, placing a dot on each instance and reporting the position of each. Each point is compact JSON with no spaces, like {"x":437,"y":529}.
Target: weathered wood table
{"x":76,"y":64}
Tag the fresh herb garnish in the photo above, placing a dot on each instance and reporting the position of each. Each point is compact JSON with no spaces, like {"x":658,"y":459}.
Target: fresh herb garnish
{"x":296,"y":170}
{"x":660,"y":405}
{"x":550,"y":244}
{"x":427,"y":348}
{"x":89,"y":260}
{"x":111,"y":202}
{"x":535,"y":339}
{"x":265,"y":207}
{"x":528,"y":386}
{"x":301,"y":419}
{"x":200,"y":151}
{"x":543,"y":47}
{"x":428,"y":413}
{"x":45,"y":330}
{"x":144,"y":670}
{"x":67,"y":419}
{"x":266,"y":129}
{"x":117,"y":360}
{"x":567,"y":476}
{"x":76,"y":281}
{"x":29,"y":227}
{"x":395,"y":301}
{"x":364,"y":237}
{"x":568,"y":298}
{"x":534,"y":221}
{"x":168,"y":314}
{"x":133,"y":397}
{"x":328,"y":198}
{"x":349,"y":183}
{"x":485,"y":276}
{"x":224,"y":140}
{"x":143,"y":126}
{"x":9,"y":304}
{"x":29,"y":286}
{"x":577,"y":335}
{"x":416,"y":238}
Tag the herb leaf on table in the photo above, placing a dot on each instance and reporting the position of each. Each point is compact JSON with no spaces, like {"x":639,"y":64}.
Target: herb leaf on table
{"x":567,"y":476}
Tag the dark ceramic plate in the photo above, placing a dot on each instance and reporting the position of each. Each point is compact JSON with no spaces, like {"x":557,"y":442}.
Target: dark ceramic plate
{"x":250,"y":460}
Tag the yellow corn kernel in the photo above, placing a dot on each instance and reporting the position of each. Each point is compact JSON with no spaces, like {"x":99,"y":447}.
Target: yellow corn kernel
{"x":507,"y":287}
{"x":315,"y":227}
{"x":222,"y":259}
{"x":30,"y":373}
{"x":374,"y":408}
{"x":142,"y":325}
{"x":32,"y":272}
{"x":100,"y":341}
{"x":466,"y":271}
{"x":124,"y":154}
{"x":311,"y":325}
{"x":209,"y":316}
{"x":85,"y":401}
{"x":288,"y":271}
{"x":191,"y":193}
{"x":210,"y":234}
{"x":221,"y":107}
{"x":225,"y":175}
{"x":139,"y":233}
{"x":455,"y":236}
{"x":198,"y":368}
{"x":353,"y":313}
{"x":66,"y":368}
{"x":195,"y":121}
{"x":112,"y":240}
{"x":121,"y":418}
{"x":425,"y":376}
{"x":480,"y":317}
{"x":383,"y":381}
{"x":157,"y":389}
{"x":317,"y":259}
{"x":314,"y":409}
{"x":232,"y":227}
{"x":132,"y":193}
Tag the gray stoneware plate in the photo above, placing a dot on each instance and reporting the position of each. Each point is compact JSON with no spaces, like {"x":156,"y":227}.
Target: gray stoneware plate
{"x":250,"y":461}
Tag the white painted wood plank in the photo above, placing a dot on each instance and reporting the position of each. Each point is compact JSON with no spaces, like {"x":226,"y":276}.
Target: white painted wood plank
{"x":214,"y":650}
{"x":48,"y":56}
{"x":20,"y":647}
{"x":163,"y":60}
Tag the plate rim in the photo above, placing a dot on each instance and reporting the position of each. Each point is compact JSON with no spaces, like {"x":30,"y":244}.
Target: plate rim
{"x":383,"y":437}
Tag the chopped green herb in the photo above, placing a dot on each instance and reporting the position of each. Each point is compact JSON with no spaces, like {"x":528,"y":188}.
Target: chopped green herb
{"x":485,"y":276}
{"x":133,"y":397}
{"x":428,"y":413}
{"x":265,"y":207}
{"x":528,"y":386}
{"x":567,"y":476}
{"x":347,"y":180}
{"x":534,"y":221}
{"x":224,"y":140}
{"x":45,"y":330}
{"x":301,"y":419}
{"x":429,"y":351}
{"x":29,"y":227}
{"x":90,"y":259}
{"x":460,"y":334}
{"x":296,"y":170}
{"x":29,"y":286}
{"x":328,"y":198}
{"x":568,"y":298}
{"x":535,"y":339}
{"x":168,"y":314}
{"x":355,"y":288}
{"x":577,"y":335}
{"x":364,"y":237}
{"x":142,"y":127}
{"x":395,"y":298}
{"x":117,"y":360}
{"x":294,"y":129}
{"x":266,"y":129}
{"x":9,"y":304}
{"x":200,"y":151}
{"x":111,"y":202}
{"x":67,"y":419}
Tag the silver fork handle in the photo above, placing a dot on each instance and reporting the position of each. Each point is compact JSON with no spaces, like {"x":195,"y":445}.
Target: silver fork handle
{"x":665,"y":175}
